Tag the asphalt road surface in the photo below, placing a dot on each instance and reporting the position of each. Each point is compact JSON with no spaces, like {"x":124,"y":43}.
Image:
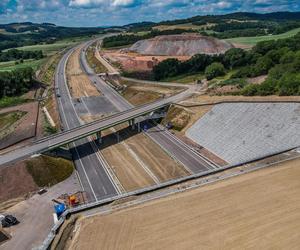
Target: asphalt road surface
{"x":181,"y":152}
{"x":94,"y":175}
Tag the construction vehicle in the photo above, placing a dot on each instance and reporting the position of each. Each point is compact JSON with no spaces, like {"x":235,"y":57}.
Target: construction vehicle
{"x":9,"y":221}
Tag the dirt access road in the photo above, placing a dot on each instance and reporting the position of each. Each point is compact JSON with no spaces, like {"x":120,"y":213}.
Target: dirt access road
{"x":259,"y":210}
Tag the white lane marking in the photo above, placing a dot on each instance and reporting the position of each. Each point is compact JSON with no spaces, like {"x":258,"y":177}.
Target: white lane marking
{"x":86,"y":107}
{"x":190,"y":150}
{"x":100,"y":158}
{"x":138,"y":159}
{"x":80,"y":161}
{"x":113,"y":178}
{"x":85,"y":172}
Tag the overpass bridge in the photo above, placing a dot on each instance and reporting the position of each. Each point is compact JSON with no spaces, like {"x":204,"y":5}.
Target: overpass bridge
{"x":86,"y":130}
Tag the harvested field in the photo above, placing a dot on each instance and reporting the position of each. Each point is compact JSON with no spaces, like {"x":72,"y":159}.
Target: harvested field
{"x":259,"y":210}
{"x":24,"y":127}
{"x":180,"y":45}
{"x":78,"y":81}
{"x":254,"y":130}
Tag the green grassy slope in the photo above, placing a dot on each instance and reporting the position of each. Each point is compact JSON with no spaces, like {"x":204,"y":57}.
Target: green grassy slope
{"x":254,"y":40}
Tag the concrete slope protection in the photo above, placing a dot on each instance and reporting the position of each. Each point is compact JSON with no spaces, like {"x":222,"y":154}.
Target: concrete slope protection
{"x":254,"y":130}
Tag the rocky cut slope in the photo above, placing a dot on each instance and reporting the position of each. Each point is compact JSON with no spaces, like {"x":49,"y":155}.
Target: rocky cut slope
{"x":180,"y":45}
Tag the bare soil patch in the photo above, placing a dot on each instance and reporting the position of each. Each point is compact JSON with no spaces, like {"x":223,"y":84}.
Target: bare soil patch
{"x":78,"y":81}
{"x":15,"y":181}
{"x":24,"y":128}
{"x":127,"y":169}
{"x":259,"y":210}
{"x":139,"y":94}
{"x":131,"y":62}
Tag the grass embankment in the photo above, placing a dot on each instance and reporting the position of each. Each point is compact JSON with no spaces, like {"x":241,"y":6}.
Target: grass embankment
{"x":8,"y":119}
{"x":12,"y":101}
{"x":254,"y":40}
{"x":94,"y":63}
{"x":186,"y":78}
{"x":48,"y":171}
{"x":178,"y":117}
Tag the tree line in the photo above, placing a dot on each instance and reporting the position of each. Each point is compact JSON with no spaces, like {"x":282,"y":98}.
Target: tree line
{"x":15,"y":54}
{"x":16,"y":82}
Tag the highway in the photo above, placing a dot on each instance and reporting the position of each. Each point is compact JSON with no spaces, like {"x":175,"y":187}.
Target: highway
{"x":92,"y":174}
{"x":76,"y":131}
{"x":181,"y":152}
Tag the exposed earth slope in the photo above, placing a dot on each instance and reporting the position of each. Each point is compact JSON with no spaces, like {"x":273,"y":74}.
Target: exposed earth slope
{"x":180,"y":45}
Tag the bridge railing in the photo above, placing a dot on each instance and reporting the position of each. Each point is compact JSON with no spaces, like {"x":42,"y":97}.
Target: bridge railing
{"x":165,"y":103}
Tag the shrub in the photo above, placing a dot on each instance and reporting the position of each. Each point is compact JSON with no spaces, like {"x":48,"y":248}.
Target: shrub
{"x":213,"y":70}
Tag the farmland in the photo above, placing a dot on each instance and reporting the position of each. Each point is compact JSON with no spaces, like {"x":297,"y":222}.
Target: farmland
{"x":214,"y":216}
{"x":255,"y":39}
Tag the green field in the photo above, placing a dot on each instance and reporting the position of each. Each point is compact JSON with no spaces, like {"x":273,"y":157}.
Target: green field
{"x":8,"y":66}
{"x":254,"y":40}
{"x":185,"y":78}
{"x":11,"y":101}
{"x":50,"y":49}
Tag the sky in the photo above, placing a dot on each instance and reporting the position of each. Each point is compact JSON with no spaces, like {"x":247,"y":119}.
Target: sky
{"x":119,"y":12}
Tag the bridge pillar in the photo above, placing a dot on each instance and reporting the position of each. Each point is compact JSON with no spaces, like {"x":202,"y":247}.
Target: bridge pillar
{"x":139,"y":126}
{"x":99,"y":137}
{"x":132,"y":124}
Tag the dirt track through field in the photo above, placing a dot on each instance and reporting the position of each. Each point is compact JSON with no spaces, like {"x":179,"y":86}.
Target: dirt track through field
{"x":259,"y":210}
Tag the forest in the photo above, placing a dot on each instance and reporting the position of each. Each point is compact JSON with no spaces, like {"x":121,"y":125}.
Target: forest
{"x":14,"y":54}
{"x":16,"y":82}
{"x":279,"y":59}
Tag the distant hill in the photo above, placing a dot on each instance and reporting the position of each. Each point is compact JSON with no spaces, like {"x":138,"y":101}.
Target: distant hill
{"x":244,"y":16}
{"x":27,"y":33}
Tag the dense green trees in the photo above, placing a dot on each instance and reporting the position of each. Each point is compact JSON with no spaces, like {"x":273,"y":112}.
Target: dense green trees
{"x":16,"y":82}
{"x":279,"y":59}
{"x":14,"y":54}
{"x":213,"y":70}
{"x":173,"y":67}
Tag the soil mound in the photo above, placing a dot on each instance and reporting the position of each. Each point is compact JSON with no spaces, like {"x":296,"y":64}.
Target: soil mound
{"x":180,"y":45}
